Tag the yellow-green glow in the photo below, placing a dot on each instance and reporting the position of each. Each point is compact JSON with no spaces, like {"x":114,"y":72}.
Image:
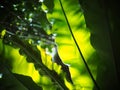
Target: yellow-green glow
{"x":83,"y":82}
{"x":69,"y":52}
{"x":2,"y":33}
{"x":21,"y":66}
{"x":67,"y":48}
{"x":69,"y":85}
{"x":75,"y":72}
{"x":46,"y":80}
{"x":83,"y":41}
{"x":72,"y":57}
{"x":57,"y":68}
{"x":47,"y":60}
{"x":43,"y":6}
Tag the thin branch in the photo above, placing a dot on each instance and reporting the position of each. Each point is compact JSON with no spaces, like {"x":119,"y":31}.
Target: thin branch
{"x":79,"y":47}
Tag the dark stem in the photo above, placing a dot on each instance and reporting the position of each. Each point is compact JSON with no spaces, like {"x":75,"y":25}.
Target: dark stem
{"x":95,"y":83}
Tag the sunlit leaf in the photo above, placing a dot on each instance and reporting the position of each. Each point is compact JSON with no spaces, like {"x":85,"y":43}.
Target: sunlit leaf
{"x":18,"y":81}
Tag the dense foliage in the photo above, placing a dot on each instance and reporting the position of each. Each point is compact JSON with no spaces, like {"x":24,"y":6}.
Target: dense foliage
{"x":24,"y":26}
{"x":51,"y":44}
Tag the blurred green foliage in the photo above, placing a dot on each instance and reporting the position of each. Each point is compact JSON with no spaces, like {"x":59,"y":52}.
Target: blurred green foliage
{"x":30,"y":31}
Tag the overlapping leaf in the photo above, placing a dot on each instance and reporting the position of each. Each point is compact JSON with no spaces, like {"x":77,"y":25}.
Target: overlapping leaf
{"x":28,"y":21}
{"x":66,"y":44}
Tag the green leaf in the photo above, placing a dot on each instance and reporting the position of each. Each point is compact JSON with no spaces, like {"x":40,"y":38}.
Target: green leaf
{"x":34,"y":54}
{"x":49,"y":4}
{"x":64,"y":67}
{"x":67,"y":50}
{"x":27,"y":82}
{"x":7,"y":78}
{"x":13,"y":81}
{"x":43,"y":20}
{"x":98,"y":19}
